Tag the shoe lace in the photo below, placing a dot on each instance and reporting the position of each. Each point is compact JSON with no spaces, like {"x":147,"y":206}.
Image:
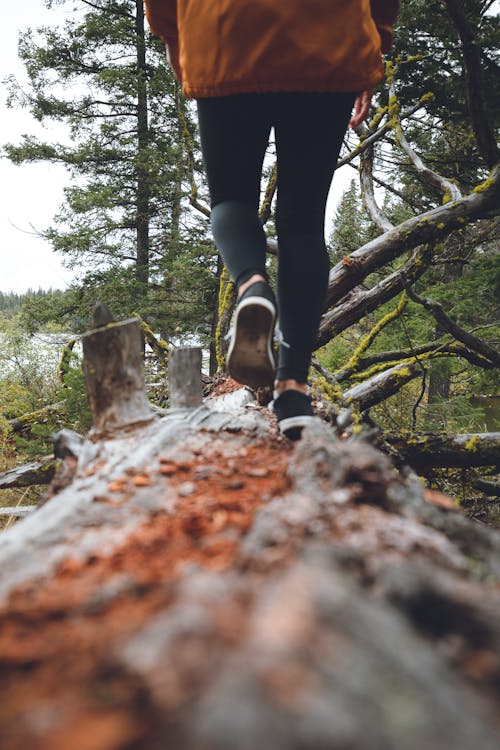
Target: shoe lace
{"x":278,"y":334}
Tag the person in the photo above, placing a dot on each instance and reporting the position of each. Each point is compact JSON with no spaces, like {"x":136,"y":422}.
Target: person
{"x":298,"y":67}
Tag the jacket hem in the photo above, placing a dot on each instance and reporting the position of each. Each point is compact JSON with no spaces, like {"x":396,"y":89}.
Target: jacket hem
{"x":200,"y":91}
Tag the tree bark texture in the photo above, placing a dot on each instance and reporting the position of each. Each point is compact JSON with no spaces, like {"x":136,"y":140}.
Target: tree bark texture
{"x":476,"y":98}
{"x":202,"y":584}
{"x":430,"y":451}
{"x":184,"y":377}
{"x":143,"y":190}
{"x":114,"y":376}
{"x":427,"y":227}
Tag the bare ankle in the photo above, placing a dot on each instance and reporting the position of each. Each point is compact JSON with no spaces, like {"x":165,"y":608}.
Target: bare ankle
{"x":289,"y":385}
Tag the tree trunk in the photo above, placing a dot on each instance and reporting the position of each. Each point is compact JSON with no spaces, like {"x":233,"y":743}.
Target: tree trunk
{"x":143,"y":187}
{"x":201,"y":584}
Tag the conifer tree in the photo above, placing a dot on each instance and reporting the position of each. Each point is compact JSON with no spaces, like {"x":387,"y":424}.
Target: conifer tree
{"x":123,"y":220}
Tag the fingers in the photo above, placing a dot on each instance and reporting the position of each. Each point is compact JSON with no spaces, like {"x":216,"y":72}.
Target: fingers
{"x":361,"y":108}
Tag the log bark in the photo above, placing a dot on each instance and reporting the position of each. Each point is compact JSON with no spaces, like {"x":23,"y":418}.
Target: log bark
{"x":19,"y":510}
{"x":430,"y":451}
{"x":114,"y":376}
{"x":202,"y":585}
{"x":35,"y":472}
{"x":184,"y":377}
{"x":25,"y":422}
{"x":432,"y":225}
{"x":381,"y":386}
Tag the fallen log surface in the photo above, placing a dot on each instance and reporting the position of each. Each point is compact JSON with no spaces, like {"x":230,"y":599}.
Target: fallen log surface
{"x":431,"y":450}
{"x":35,"y":472}
{"x":192,"y":581}
{"x":202,"y":584}
{"x":17,"y":510}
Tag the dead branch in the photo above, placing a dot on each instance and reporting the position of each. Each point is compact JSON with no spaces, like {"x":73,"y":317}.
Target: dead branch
{"x":430,"y":451}
{"x":472,"y":342}
{"x":367,"y":193}
{"x":26,"y":421}
{"x":424,"y":173}
{"x":35,"y":472}
{"x":193,"y":198}
{"x":376,"y":136}
{"x":427,"y":227}
{"x":491,"y":489}
{"x":267,"y":202}
{"x":396,"y":356}
{"x":381,"y":386}
{"x":65,"y":359}
{"x":356,"y":305}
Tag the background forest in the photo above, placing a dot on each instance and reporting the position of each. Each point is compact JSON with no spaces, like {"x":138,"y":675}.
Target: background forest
{"x":409,"y":338}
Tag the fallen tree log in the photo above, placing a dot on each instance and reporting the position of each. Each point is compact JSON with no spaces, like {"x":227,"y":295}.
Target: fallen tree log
{"x":430,"y":451}
{"x":25,"y":422}
{"x":381,"y":386}
{"x":202,"y":584}
{"x":18,"y":510}
{"x":35,"y":472}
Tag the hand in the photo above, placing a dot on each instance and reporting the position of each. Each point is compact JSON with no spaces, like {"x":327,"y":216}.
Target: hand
{"x":361,"y":108}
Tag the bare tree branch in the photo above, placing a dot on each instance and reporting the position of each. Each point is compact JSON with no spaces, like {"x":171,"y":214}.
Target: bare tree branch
{"x":202,"y":208}
{"x":398,"y":355}
{"x":427,"y":175}
{"x":367,"y":193}
{"x":380,"y":387}
{"x":376,"y":136}
{"x":471,"y":341}
{"x":265,"y":209}
{"x":354,"y":306}
{"x":427,"y":227}
{"x":427,"y":451}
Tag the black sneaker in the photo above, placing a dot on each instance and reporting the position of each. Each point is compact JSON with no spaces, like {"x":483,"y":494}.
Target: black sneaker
{"x":250,"y":358}
{"x":293,"y":411}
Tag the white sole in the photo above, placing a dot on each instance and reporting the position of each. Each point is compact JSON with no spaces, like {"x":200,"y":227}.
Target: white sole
{"x":293,"y":422}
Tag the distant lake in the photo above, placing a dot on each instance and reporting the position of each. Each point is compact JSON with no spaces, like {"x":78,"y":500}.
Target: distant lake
{"x":46,"y":348}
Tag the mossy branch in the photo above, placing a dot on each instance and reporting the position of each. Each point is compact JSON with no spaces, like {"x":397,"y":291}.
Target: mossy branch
{"x":272,"y":183}
{"x":159,"y":346}
{"x":65,"y":360}
{"x":394,"y":357}
{"x":429,"y":227}
{"x":358,"y":304}
{"x":367,"y":341}
{"x":227,"y":298}
{"x":469,"y":339}
{"x":190,"y":158}
{"x":423,"y":172}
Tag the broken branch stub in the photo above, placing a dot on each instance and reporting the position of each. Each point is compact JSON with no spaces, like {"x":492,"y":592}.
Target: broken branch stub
{"x":114,"y":376}
{"x":184,"y":377}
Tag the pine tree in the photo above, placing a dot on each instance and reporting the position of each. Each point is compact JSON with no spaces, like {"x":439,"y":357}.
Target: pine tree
{"x":123,"y":219}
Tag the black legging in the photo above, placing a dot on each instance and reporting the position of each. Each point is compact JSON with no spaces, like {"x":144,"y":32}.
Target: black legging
{"x":309,"y":129}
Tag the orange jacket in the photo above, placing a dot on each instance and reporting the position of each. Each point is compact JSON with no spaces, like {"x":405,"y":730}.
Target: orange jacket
{"x":239,"y":46}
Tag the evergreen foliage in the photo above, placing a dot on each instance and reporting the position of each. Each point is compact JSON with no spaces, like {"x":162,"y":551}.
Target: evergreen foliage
{"x":125,"y":219}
